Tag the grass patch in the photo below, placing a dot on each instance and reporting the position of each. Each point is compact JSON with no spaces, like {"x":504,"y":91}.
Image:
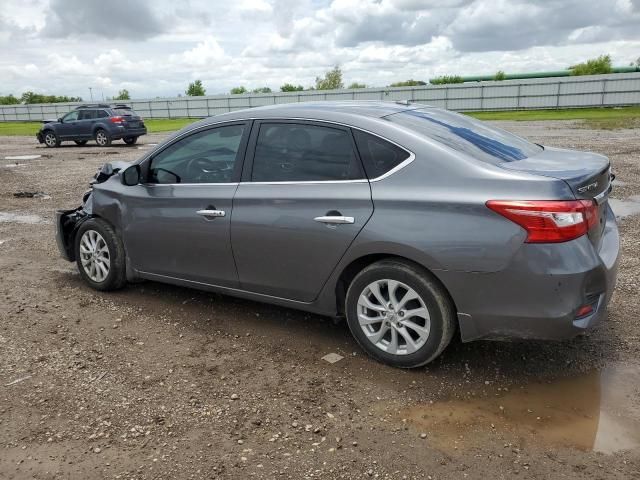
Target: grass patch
{"x":595,"y":118}
{"x":599,"y":118}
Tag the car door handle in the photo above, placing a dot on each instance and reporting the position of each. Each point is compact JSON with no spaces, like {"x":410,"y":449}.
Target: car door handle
{"x":335,"y":219}
{"x":211,"y":213}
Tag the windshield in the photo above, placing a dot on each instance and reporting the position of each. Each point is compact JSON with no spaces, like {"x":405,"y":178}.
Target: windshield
{"x":124,"y":111}
{"x":467,"y":135}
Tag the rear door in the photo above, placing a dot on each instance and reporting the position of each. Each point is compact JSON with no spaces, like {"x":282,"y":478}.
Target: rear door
{"x":177,"y":223}
{"x":303,"y":200}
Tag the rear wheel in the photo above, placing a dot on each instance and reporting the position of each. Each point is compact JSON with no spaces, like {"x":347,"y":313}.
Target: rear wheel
{"x":80,"y":142}
{"x":100,"y":255}
{"x":51,"y":139}
{"x":399,"y":313}
{"x":103,"y":138}
{"x":130,"y":140}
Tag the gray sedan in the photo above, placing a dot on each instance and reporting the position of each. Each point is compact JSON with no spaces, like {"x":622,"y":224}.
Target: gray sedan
{"x":412,"y":222}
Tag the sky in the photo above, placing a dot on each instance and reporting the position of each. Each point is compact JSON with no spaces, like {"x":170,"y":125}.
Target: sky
{"x":154,"y":48}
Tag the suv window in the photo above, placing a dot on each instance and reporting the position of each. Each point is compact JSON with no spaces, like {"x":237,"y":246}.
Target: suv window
{"x":204,"y":157}
{"x":71,"y":116}
{"x":290,"y":152}
{"x":466,"y":135}
{"x":378,"y":155}
{"x":87,"y":115}
{"x":102,"y":114}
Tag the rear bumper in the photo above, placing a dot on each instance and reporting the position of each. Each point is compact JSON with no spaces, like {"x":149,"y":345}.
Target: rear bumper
{"x":538,"y":294}
{"x":67,"y":223}
{"x":122,"y":132}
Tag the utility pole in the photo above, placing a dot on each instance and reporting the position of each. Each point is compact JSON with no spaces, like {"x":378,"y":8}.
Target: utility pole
{"x":91,"y":93}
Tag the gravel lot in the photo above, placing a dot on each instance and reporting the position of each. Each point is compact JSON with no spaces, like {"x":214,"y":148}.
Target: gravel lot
{"x":157,"y":381}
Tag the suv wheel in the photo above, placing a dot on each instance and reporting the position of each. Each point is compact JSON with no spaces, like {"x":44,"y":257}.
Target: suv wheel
{"x":100,"y":255}
{"x":103,"y":138}
{"x":51,"y":139}
{"x":399,"y":314}
{"x":80,"y":142}
{"x":130,"y":140}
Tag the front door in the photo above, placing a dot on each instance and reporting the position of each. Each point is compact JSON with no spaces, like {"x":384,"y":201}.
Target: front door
{"x":301,"y":204}
{"x":177,"y":222}
{"x":69,"y":127}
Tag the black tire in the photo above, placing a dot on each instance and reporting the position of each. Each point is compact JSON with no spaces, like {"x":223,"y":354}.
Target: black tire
{"x":102,"y":137}
{"x":434,"y":296}
{"x":130,"y":140}
{"x":51,"y":140}
{"x":80,"y":142}
{"x":116,"y":277}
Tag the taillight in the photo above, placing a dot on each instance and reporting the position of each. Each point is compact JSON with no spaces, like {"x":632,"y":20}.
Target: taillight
{"x":117,"y":119}
{"x":548,"y":221}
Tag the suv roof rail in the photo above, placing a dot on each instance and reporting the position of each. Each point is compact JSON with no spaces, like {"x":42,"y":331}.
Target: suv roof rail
{"x":121,"y":105}
{"x":94,"y":105}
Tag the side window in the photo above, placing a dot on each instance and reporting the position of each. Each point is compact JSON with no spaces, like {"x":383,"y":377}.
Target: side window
{"x":204,"y":157}
{"x":102,"y":114}
{"x":378,"y":155}
{"x":71,"y":116}
{"x":290,"y":152}
{"x":87,"y":115}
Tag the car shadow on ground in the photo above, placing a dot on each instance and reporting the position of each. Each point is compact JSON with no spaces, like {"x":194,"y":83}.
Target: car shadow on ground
{"x":311,"y":336}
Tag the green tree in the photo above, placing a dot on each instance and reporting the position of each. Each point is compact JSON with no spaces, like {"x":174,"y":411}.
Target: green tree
{"x":500,"y":75}
{"x":31,"y":97}
{"x":238,"y":90}
{"x":196,"y":89}
{"x":261,"y":90}
{"x":122,"y":95}
{"x":332,"y":80}
{"x":408,"y":83}
{"x":594,"y":66}
{"x":357,"y":85}
{"x":445,"y":79}
{"x":288,"y":87}
{"x":9,"y":100}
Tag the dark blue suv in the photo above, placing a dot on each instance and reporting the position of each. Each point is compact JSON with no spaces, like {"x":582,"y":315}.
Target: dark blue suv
{"x":101,"y":122}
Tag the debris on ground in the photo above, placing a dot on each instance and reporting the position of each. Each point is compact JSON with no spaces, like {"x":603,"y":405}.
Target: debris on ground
{"x":41,"y":195}
{"x":332,"y":357}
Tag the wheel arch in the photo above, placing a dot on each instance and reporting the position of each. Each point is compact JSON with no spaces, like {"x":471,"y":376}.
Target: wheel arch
{"x":350,"y":271}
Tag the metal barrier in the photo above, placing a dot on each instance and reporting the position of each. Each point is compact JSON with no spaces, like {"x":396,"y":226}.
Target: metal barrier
{"x":537,"y":93}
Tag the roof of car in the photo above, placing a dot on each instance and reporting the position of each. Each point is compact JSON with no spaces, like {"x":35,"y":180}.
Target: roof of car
{"x":350,"y":112}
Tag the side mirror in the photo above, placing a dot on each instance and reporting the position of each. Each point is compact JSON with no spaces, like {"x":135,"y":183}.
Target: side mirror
{"x":131,"y":176}
{"x":60,"y":120}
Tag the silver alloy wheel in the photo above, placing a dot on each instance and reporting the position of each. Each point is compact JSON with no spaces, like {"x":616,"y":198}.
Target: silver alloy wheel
{"x":393,"y":317}
{"x":101,"y":138}
{"x":50,"y":139}
{"x":94,"y":256}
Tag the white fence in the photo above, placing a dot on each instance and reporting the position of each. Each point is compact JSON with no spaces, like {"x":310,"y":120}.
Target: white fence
{"x":537,"y":93}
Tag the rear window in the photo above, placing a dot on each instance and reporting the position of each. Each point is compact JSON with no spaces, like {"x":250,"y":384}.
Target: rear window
{"x":124,"y":111}
{"x":467,"y":135}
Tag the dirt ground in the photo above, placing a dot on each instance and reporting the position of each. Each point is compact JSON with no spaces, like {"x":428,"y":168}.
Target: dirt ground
{"x":158,"y":381}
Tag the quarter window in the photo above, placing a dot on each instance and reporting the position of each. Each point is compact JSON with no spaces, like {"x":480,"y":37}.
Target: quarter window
{"x":102,"y":114}
{"x":205,"y":157}
{"x":291,"y":152}
{"x":378,"y":155}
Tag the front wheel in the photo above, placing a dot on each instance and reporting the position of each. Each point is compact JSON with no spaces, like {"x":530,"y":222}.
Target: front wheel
{"x":51,"y":139}
{"x":103,"y":139}
{"x":100,"y":255}
{"x":399,"y":314}
{"x":130,"y":140}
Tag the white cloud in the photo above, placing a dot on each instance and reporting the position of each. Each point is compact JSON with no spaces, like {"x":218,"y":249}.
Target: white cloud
{"x":64,"y":47}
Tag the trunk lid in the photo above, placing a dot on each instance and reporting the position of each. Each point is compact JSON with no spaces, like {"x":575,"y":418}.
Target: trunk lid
{"x":587,"y":174}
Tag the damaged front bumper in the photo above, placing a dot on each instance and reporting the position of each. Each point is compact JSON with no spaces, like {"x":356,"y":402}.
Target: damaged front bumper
{"x":67,"y":224}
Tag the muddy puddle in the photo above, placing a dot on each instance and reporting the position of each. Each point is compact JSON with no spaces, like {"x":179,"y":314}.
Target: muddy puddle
{"x":22,"y":157}
{"x":625,"y":208}
{"x":598,"y":411}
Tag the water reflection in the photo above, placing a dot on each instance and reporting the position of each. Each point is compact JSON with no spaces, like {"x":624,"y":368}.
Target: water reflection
{"x":597,"y":411}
